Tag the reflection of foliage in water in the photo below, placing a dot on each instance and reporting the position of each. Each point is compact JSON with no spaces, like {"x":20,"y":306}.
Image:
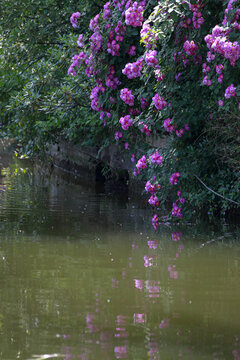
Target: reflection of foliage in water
{"x":89,"y":288}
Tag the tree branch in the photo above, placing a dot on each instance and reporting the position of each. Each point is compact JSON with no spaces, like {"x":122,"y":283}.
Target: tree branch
{"x":214,"y":192}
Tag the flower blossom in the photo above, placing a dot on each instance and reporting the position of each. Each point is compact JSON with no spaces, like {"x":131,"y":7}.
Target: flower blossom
{"x":159,"y":102}
{"x":230,"y":91}
{"x":74,"y":18}
{"x":153,"y":201}
{"x":126,"y":121}
{"x":127,"y":96}
{"x":142,"y":163}
{"x":174,"y":178}
{"x":156,"y":158}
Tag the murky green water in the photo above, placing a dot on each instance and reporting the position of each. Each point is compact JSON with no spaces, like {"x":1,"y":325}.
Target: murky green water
{"x":84,"y":276}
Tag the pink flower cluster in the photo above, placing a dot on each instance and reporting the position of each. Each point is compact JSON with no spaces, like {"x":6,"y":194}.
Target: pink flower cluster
{"x":144,"y":129}
{"x":114,"y":37}
{"x":206,"y":68}
{"x":153,"y":200}
{"x":126,"y":121}
{"x":207,"y":81}
{"x":228,"y":12}
{"x":74,"y":18}
{"x":133,"y":70}
{"x":127,"y":96}
{"x":174,"y":178}
{"x":219,"y":69}
{"x":198,"y":20}
{"x":80,"y":41}
{"x":150,"y":58}
{"x":96,"y":42}
{"x":159,"y":102}
{"x":134,"y":112}
{"x":156,"y":158}
{"x":111,"y":81}
{"x":133,"y":15}
{"x":155,"y":222}
{"x":176,"y":236}
{"x":94,"y":96}
{"x":219,"y":43}
{"x":76,"y":62}
{"x":118,"y":135}
{"x":132,"y":50}
{"x":168,"y":126}
{"x":190,"y":48}
{"x":176,"y":211}
{"x":144,"y":103}
{"x":180,"y":199}
{"x":230,"y":91}
{"x":185,"y":22}
{"x":142,"y":163}
{"x":180,"y":132}
{"x":94,"y":23}
{"x":152,"y":188}
{"x":159,"y":76}
{"x":107,"y":11}
{"x":148,"y":37}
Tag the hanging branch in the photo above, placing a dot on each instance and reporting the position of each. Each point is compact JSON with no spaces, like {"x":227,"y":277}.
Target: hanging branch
{"x":214,"y":192}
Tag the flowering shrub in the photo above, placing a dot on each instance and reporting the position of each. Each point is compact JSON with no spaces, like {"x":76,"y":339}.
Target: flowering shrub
{"x":177,"y":48}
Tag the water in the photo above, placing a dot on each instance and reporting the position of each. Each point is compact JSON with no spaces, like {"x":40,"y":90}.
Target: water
{"x":84,"y":276}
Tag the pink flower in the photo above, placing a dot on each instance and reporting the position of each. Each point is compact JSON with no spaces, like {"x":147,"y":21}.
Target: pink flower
{"x":151,"y":59}
{"x":174,"y":178}
{"x":176,"y":211}
{"x":155,"y":222}
{"x":80,"y":41}
{"x":168,"y":126}
{"x":132,"y":50}
{"x":133,"y":15}
{"x":153,"y":201}
{"x":159,"y":102}
{"x":149,"y":187}
{"x":126,"y":121}
{"x":74,"y":18}
{"x":156,"y":158}
{"x":176,"y":236}
{"x":230,"y":91}
{"x":142,"y":163}
{"x":190,"y":47}
{"x":118,"y":135}
{"x":127,"y":96}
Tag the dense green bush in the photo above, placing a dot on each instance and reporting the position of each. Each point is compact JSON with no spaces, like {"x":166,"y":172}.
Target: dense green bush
{"x":38,"y":102}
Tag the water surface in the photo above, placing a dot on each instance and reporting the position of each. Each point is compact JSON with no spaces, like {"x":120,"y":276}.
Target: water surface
{"x":84,"y":276}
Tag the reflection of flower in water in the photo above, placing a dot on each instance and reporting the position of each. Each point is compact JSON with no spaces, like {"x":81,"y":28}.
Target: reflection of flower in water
{"x":115,"y":283}
{"x":134,"y":246}
{"x":181,"y":247}
{"x":176,"y":236}
{"x":153,"y":288}
{"x":120,"y":352}
{"x":164,"y":323}
{"x":148,"y":260}
{"x":106,"y":340}
{"x":236,"y":355}
{"x":173,"y":272}
{"x":121,"y":332}
{"x":152,"y":244}
{"x":153,"y":352}
{"x":139,"y":284}
{"x":90,"y":318}
{"x":139,"y":318}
